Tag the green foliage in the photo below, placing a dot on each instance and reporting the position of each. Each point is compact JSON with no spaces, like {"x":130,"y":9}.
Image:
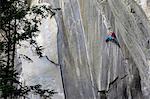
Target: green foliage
{"x":19,"y":22}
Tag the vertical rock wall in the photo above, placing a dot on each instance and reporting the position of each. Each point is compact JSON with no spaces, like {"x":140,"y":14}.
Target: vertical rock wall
{"x":92,"y":68}
{"x":88,"y":63}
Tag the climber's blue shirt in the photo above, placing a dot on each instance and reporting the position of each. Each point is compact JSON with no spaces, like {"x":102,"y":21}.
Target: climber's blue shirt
{"x":109,"y":38}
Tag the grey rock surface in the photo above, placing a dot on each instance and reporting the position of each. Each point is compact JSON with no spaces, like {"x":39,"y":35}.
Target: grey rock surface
{"x":89,"y":64}
{"x":94,"y":69}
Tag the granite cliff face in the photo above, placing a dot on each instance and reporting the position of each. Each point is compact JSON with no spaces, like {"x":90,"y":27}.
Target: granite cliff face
{"x":90,"y":67}
{"x":90,"y":63}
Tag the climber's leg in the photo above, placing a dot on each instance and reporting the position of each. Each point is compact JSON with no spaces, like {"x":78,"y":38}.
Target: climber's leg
{"x":116,"y":42}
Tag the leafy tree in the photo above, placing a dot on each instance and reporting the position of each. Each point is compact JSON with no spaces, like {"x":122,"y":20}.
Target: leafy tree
{"x":19,"y":22}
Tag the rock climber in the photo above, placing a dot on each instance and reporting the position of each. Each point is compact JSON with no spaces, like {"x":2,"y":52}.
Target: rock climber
{"x":112,"y":37}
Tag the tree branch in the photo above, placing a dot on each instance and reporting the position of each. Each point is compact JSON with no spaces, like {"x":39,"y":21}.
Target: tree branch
{"x":52,"y":61}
